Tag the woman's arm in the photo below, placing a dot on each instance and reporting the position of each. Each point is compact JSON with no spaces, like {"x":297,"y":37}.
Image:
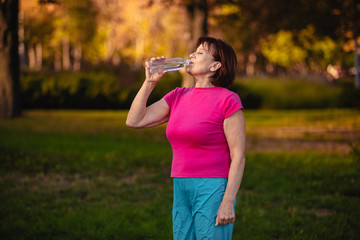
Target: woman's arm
{"x":234,"y":128}
{"x":140,"y":116}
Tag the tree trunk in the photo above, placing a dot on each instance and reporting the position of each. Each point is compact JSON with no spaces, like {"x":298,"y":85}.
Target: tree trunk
{"x":57,"y":61}
{"x":66,"y":54}
{"x":77,"y":57}
{"x":21,"y":33}
{"x":35,"y":57}
{"x":250,"y":66}
{"x":269,"y":67}
{"x":38,"y":56}
{"x":32,"y":58}
{"x":9,"y":60}
{"x":241,"y":64}
{"x":197,"y":14}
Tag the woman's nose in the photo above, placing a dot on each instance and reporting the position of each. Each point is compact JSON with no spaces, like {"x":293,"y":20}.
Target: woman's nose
{"x":191,"y":55}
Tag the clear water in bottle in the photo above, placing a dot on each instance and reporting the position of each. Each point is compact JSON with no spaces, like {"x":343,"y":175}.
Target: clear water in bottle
{"x":169,"y":64}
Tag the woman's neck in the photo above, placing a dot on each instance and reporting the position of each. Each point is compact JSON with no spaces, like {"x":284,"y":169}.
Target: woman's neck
{"x":203,"y":83}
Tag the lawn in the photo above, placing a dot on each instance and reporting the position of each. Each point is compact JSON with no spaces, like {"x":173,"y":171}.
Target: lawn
{"x":84,"y":175}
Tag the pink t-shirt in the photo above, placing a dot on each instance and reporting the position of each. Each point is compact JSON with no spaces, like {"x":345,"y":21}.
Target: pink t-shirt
{"x":196,"y":133}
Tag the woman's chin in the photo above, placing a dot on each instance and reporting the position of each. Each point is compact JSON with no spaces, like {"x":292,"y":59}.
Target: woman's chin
{"x":188,"y":70}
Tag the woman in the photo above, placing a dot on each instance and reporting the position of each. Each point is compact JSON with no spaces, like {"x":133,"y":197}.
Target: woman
{"x":206,"y":129}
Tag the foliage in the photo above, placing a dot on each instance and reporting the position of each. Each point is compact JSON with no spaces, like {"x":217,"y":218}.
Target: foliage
{"x":94,"y":90}
{"x":281,"y":49}
{"x":106,"y":90}
{"x":38,"y":23}
{"x":72,"y":90}
{"x":117,"y":31}
{"x":305,"y":48}
{"x":320,"y":49}
{"x":278,"y":31}
{"x":105,"y":30}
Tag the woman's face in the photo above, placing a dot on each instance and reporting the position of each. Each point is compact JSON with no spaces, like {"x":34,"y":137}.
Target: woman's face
{"x":201,"y":61}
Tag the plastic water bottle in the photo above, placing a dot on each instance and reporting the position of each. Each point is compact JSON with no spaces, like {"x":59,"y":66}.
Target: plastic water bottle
{"x":169,"y":64}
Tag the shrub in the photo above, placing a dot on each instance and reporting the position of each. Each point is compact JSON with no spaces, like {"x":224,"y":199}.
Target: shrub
{"x":287,"y":94}
{"x":350,"y":96}
{"x":73,"y":90}
{"x":106,"y":90}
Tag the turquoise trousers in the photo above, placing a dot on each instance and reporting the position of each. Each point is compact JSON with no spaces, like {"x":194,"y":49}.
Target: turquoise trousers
{"x":195,"y":206}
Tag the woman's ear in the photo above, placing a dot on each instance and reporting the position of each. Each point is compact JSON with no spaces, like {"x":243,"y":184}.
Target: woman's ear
{"x":216,"y":65}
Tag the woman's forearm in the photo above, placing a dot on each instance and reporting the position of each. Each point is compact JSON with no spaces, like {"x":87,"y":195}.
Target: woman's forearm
{"x":234,"y":179}
{"x":139,"y":115}
{"x":137,"y":110}
{"x":226,"y":213}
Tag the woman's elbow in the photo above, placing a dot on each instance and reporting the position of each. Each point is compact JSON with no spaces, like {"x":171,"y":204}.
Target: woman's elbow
{"x":131,"y":124}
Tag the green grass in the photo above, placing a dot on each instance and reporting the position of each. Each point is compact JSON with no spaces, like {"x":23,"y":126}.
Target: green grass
{"x":84,"y":175}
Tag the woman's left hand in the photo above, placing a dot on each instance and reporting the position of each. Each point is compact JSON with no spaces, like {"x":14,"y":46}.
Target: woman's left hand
{"x":226,"y":213}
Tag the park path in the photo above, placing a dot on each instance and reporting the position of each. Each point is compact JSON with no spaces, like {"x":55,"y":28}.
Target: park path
{"x":295,"y":139}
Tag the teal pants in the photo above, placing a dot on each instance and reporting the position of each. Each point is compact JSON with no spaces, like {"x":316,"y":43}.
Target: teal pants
{"x":195,"y":206}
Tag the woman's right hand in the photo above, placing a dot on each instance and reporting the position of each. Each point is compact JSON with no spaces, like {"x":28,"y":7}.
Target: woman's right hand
{"x":142,"y":116}
{"x":153,"y":78}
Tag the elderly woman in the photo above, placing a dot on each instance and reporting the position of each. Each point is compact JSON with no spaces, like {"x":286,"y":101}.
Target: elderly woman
{"x":206,"y":130}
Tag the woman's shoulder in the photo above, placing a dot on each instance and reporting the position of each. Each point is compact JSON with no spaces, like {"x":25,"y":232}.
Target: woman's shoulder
{"x":227,"y":92}
{"x":178,"y":92}
{"x":229,"y":97}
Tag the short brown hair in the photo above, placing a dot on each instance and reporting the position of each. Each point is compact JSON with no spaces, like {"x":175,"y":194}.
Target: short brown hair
{"x":224,"y":54}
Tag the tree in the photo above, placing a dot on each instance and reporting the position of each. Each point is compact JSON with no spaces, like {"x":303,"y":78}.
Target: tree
{"x":197,"y":22}
{"x":196,"y":25}
{"x":36,"y":24}
{"x":251,"y":21}
{"x":9,"y":60}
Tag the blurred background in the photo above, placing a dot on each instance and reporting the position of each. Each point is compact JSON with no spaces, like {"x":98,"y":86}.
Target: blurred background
{"x":69,"y":70}
{"x":90,"y":53}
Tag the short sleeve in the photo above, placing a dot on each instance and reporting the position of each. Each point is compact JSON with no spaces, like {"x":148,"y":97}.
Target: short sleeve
{"x":170,"y":97}
{"x":232,"y":104}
